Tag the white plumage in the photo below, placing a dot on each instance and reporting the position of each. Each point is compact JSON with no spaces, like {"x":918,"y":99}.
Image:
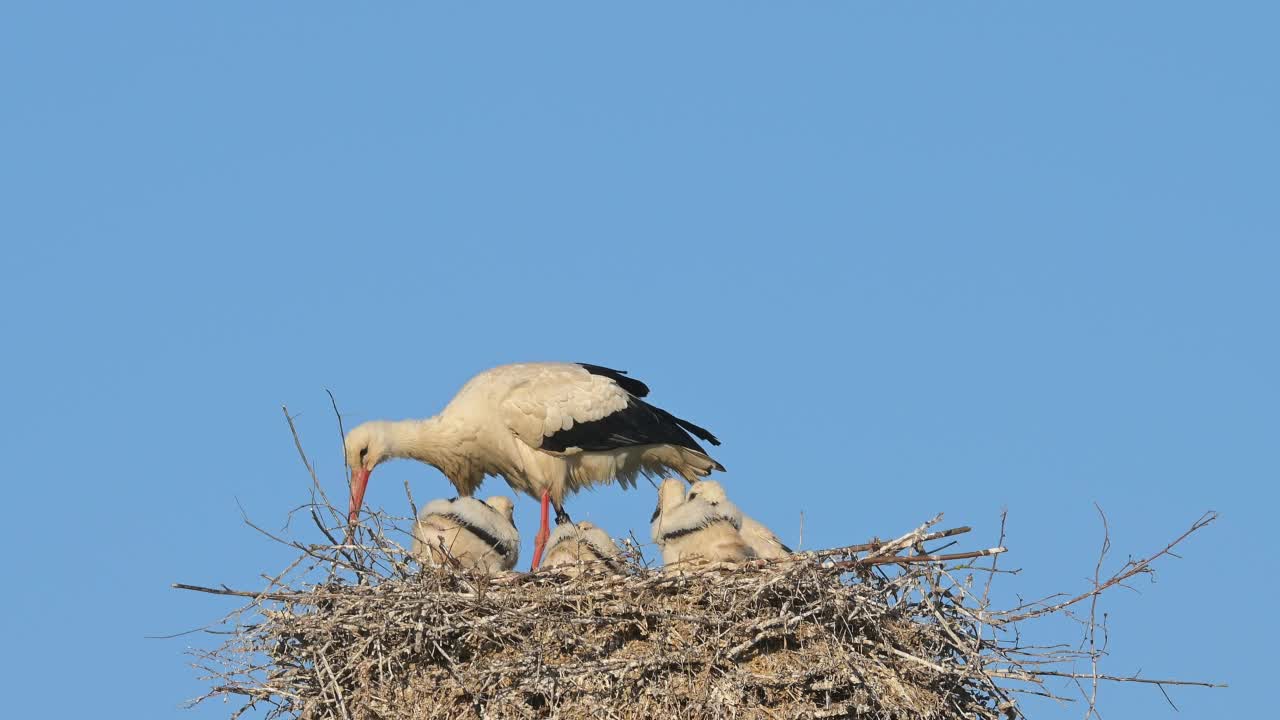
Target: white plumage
{"x":688,"y":529}
{"x":760,"y":538}
{"x":478,"y":535}
{"x":573,"y":544}
{"x":548,"y":429}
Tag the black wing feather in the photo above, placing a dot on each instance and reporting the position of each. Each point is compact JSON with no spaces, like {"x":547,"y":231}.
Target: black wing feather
{"x":638,"y":424}
{"x":631,"y":385}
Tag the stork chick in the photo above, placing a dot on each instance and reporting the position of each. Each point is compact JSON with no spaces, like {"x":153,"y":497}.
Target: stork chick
{"x":761,"y":539}
{"x":478,"y":535}
{"x":575,"y":543}
{"x":686,"y":528}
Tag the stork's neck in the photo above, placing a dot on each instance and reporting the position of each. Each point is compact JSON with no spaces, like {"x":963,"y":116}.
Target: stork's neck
{"x":437,"y":442}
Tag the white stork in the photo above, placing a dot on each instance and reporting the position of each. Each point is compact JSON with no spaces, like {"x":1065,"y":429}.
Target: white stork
{"x":548,"y":429}
{"x":574,"y":543}
{"x":693,"y":528}
{"x":761,"y":539}
{"x":480,"y":535}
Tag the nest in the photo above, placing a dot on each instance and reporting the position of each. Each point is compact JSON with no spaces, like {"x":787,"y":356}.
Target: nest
{"x":354,"y":631}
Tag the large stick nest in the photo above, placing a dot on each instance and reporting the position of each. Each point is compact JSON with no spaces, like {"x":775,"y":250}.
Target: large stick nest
{"x":882,"y":630}
{"x":355,"y":630}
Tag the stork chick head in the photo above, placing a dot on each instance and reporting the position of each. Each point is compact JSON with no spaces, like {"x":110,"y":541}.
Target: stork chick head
{"x":670,"y":497}
{"x":709,"y":490}
{"x":670,"y":494}
{"x":365,"y":446}
{"x":503,"y":506}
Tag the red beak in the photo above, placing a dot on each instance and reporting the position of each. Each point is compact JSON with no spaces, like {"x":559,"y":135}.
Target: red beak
{"x":359,"y":481}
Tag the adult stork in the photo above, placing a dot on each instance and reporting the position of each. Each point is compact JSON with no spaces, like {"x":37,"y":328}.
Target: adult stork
{"x":548,"y":429}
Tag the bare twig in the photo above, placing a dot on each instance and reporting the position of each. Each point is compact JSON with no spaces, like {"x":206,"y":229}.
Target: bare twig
{"x":911,"y":559}
{"x":342,"y":432}
{"x":1092,"y":698}
{"x":1030,"y":677}
{"x":1131,"y":569}
{"x":240,"y":593}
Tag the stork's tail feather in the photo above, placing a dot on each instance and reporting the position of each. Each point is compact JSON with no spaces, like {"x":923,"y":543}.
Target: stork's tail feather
{"x":696,"y":465}
{"x":699,"y":432}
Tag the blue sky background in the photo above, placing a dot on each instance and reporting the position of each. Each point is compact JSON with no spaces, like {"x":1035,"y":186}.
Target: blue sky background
{"x":901,"y":257}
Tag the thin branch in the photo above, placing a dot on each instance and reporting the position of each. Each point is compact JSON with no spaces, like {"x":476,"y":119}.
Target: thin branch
{"x":1131,"y":569}
{"x":342,"y":433}
{"x":910,"y":559}
{"x":878,"y":544}
{"x":256,"y":595}
{"x":1032,"y":677}
{"x":1093,"y":614}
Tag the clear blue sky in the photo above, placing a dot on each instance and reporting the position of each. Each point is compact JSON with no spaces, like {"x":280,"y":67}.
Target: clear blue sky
{"x":901,"y":257}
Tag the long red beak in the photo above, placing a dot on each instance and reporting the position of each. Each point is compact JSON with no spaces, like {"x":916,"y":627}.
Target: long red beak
{"x":359,"y":481}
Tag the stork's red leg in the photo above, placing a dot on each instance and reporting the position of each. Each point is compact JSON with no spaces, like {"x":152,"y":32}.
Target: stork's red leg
{"x":544,"y":532}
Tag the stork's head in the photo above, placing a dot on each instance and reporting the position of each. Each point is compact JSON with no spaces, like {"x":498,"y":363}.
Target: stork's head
{"x":709,"y":490}
{"x":366,"y":446}
{"x":503,"y":506}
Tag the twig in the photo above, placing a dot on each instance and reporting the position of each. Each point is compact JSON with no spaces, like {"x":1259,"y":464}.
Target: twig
{"x":986,"y":590}
{"x":1131,"y":569}
{"x":1092,"y":710}
{"x":241,"y":593}
{"x":877,"y":544}
{"x":894,"y":560}
{"x":317,"y":488}
{"x":1029,"y":677}
{"x":342,"y":433}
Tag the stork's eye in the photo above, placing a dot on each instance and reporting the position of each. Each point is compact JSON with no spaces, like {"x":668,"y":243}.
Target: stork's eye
{"x":363,"y":452}
{"x":692,"y":496}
